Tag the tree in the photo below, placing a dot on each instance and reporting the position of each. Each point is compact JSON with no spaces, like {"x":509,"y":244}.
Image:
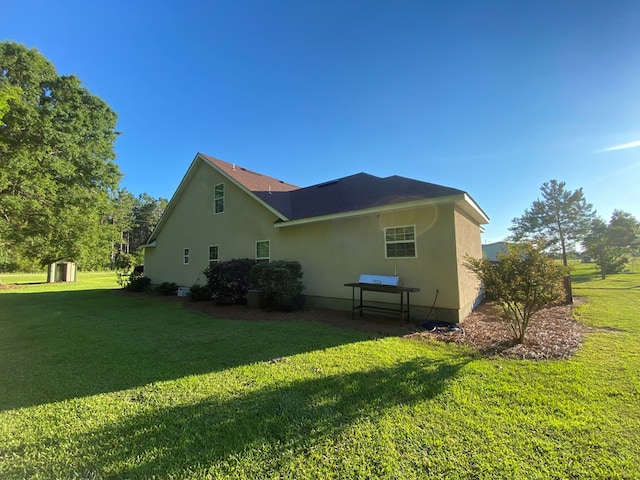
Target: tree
{"x":561,"y":218}
{"x":613,"y":245}
{"x":57,"y":170}
{"x":523,"y":281}
{"x":147,"y":211}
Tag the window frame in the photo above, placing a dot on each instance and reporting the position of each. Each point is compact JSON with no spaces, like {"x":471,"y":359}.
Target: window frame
{"x":186,"y":255}
{"x":400,"y":241}
{"x":266,"y":259}
{"x":217,"y":254}
{"x":218,"y":198}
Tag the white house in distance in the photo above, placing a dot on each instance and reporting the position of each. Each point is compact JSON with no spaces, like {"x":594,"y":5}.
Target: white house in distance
{"x":337,"y":230}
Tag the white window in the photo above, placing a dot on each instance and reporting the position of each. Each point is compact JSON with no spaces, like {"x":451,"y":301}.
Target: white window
{"x":213,"y":254}
{"x":400,"y":242}
{"x":262,"y":251}
{"x":218,"y":198}
{"x":185,"y":257}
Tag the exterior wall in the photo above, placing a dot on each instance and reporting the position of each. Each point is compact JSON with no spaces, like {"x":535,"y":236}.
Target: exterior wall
{"x":468,"y":243}
{"x":333,"y":253}
{"x":192,"y":224}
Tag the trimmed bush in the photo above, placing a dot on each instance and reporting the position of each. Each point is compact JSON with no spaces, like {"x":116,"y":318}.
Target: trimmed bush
{"x":167,"y":288}
{"x":228,"y":281}
{"x":281,"y":284}
{"x":199,"y":293}
{"x":137,"y":283}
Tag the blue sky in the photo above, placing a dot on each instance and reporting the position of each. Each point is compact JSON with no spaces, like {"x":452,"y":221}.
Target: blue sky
{"x":491,"y":97}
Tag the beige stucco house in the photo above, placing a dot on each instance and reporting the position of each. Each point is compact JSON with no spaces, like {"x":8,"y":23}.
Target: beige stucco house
{"x":337,"y":230}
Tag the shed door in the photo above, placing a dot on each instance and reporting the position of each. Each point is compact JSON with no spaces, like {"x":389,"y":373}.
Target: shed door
{"x":61,"y":272}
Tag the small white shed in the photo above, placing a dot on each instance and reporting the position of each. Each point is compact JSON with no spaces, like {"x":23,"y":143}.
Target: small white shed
{"x":61,"y":271}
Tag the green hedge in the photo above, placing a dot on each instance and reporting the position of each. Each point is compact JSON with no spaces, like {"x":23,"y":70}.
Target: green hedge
{"x":281,"y":284}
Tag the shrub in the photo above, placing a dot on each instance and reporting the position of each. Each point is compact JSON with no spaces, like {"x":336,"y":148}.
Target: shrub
{"x":137,"y":283}
{"x":281,"y":284}
{"x":199,"y":293}
{"x":167,"y":288}
{"x":228,"y":281}
{"x":522,"y":281}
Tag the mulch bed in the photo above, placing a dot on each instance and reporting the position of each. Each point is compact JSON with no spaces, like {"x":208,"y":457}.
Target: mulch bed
{"x":553,"y":334}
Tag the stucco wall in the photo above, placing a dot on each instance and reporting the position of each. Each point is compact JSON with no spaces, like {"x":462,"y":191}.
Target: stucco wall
{"x":468,"y":243}
{"x":336,"y":252}
{"x":192,"y":224}
{"x":332,"y":252}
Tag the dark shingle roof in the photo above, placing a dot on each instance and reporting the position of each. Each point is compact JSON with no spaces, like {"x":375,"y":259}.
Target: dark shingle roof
{"x":253,"y":181}
{"x":356,"y":192}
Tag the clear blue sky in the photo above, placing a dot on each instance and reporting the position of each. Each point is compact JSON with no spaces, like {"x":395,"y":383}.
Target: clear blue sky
{"x":492,"y":97}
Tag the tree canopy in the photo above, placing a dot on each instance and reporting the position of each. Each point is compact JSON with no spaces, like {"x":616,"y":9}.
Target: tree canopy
{"x":57,"y":170}
{"x":612,"y":245}
{"x":560,"y":218}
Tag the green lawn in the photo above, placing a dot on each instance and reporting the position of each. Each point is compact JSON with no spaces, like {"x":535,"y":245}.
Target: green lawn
{"x":101,"y":384}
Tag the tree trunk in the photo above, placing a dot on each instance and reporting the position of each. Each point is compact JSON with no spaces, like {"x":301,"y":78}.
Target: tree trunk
{"x":568,"y":291}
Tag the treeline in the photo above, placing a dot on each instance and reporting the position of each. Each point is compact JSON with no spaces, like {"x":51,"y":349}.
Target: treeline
{"x":59,"y":183}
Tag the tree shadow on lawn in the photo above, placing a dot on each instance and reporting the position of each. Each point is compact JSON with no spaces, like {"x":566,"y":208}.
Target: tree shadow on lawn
{"x":62,"y":345}
{"x":277,"y":423}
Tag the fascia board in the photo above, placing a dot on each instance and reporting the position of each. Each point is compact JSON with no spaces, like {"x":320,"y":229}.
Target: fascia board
{"x":374,"y":210}
{"x":471,"y":207}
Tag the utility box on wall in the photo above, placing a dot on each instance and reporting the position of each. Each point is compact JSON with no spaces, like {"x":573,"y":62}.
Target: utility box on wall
{"x":61,"y":271}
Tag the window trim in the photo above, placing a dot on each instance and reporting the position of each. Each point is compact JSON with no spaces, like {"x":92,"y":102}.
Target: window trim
{"x":263,"y":259}
{"x":186,"y":255}
{"x":214,"y":260}
{"x":216,"y":198}
{"x":403,"y":241}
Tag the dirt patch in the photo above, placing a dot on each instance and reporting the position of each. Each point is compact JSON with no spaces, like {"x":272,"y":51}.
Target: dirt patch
{"x":552,"y":332}
{"x":10,"y":286}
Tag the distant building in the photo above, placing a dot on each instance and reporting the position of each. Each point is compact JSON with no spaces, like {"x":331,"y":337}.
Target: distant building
{"x":491,"y":250}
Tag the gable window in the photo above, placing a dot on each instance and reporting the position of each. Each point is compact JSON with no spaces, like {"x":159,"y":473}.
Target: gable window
{"x":185,"y":257}
{"x":218,"y":198}
{"x":262,"y":251}
{"x":213,"y":254}
{"x":400,"y":242}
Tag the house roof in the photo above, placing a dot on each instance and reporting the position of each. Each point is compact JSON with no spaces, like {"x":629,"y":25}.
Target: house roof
{"x":348,"y":196}
{"x":253,"y":181}
{"x":356,"y":192}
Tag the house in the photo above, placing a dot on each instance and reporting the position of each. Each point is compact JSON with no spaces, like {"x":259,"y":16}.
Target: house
{"x":337,"y":230}
{"x":490,"y":250}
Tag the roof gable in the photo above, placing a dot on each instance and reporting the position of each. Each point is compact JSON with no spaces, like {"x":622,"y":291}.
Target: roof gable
{"x":345,"y":196}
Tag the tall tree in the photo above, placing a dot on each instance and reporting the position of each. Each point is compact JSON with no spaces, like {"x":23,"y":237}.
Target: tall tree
{"x":57,"y":170}
{"x":612,"y":245}
{"x":147,"y":213}
{"x":561,"y":218}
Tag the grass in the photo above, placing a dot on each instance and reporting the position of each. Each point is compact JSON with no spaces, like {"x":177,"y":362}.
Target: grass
{"x":101,"y":384}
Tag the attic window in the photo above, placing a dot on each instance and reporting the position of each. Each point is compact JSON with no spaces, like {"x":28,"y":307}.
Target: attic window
{"x":218,"y":198}
{"x":400,"y":242}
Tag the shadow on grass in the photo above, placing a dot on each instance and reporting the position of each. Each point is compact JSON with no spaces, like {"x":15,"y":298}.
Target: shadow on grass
{"x":276,"y":423}
{"x":61,"y":345}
